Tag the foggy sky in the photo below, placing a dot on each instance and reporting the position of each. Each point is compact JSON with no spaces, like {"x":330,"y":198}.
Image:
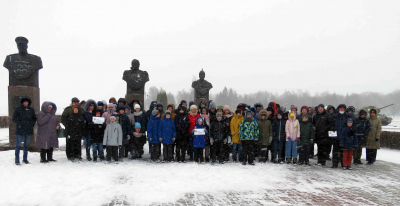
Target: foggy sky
{"x":85,"y":46}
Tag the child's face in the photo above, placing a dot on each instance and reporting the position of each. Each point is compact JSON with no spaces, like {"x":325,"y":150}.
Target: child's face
{"x":111,"y":108}
{"x":362,"y":116}
{"x":167,"y":116}
{"x":219,"y":118}
{"x":212,"y":110}
{"x":292,"y":117}
{"x":279,"y":116}
{"x":137,"y":130}
{"x":127,"y":110}
{"x":137,"y":110}
{"x":305,"y":119}
{"x":349,"y":124}
{"x":227,"y":111}
{"x":372,"y":114}
{"x":112,"y":120}
{"x":204,"y":111}
{"x":294,"y":111}
{"x":170,"y":109}
{"x":158,"y":115}
{"x":100,"y":107}
{"x":121,"y":111}
{"x":200,"y":122}
{"x":76,"y":110}
{"x":263,"y":116}
{"x":258,"y":109}
{"x":97,"y":114}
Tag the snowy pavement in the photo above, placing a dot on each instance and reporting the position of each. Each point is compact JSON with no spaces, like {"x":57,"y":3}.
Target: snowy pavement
{"x":144,"y":183}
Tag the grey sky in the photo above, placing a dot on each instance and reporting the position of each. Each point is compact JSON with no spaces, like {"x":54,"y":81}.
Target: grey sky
{"x":247,"y":45}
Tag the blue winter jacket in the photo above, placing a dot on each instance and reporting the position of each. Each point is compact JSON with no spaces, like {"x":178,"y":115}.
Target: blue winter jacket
{"x":348,"y":141}
{"x":278,"y":129}
{"x":253,"y":109}
{"x":167,"y":130}
{"x":152,"y":129}
{"x":340,"y":122}
{"x":199,"y":141}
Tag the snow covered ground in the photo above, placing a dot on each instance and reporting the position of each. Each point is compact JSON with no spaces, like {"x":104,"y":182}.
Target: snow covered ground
{"x":144,"y":183}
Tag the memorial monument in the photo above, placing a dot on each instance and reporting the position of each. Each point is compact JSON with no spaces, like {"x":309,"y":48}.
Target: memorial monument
{"x":23,"y":81}
{"x":201,"y":89}
{"x":135,"y":82}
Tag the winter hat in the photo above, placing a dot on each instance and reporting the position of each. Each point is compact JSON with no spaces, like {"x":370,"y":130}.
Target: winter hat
{"x":137,"y":106}
{"x":279,"y":113}
{"x":249,"y":113}
{"x":304,"y":116}
{"x":349,"y":120}
{"x":372,"y":111}
{"x":98,"y":111}
{"x":112,"y":99}
{"x":238,"y":111}
{"x":220,"y":107}
{"x":219,"y":114}
{"x":111,"y":105}
{"x":113,"y":117}
{"x":137,"y":125}
{"x":50,"y":106}
{"x":128,"y":107}
{"x":193,"y":107}
{"x":155,"y":112}
{"x":363,"y":112}
{"x":167,"y":112}
{"x":183,"y":102}
{"x":83,"y":102}
{"x":291,"y":114}
{"x":293,"y":107}
{"x":75,"y":99}
{"x":271,"y":104}
{"x":191,"y":103}
{"x":321,"y":105}
{"x":226,"y":107}
{"x":100,"y":103}
{"x":351,"y":108}
{"x":121,"y":107}
{"x":212,"y":105}
{"x":304,"y":107}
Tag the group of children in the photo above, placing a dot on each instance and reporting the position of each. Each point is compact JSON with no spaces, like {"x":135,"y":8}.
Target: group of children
{"x":211,"y":134}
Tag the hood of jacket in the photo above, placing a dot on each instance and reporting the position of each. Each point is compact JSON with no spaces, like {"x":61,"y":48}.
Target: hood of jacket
{"x":88,"y":103}
{"x":160,"y":104}
{"x":46,"y":104}
{"x":122,"y":100}
{"x":23,"y":99}
{"x":184,"y":111}
{"x":135,"y":100}
{"x":173,"y":107}
{"x":329,"y":107}
{"x":340,"y":105}
{"x":253,"y":109}
{"x":197,"y":122}
{"x":265,"y":112}
{"x":258,"y":104}
{"x":152,"y":105}
{"x":364,"y":111}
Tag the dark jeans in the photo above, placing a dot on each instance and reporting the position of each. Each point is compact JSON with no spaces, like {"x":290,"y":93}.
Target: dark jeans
{"x":237,"y":148}
{"x":371,"y":155}
{"x":168,"y":152}
{"x":337,"y":154}
{"x":86,"y":140}
{"x":68,"y":147}
{"x":98,"y":149}
{"x":191,"y":149}
{"x":357,"y":153}
{"x":304,"y":154}
{"x":218,"y":149}
{"x":180,"y":150}
{"x":312,"y":149}
{"x":112,"y":151}
{"x":269,"y":150}
{"x":18,"y":146}
{"x":277,"y":148}
{"x":323,"y":152}
{"x":76,"y":148}
{"x":198,"y":155}
{"x":155,"y":151}
{"x":248,"y":151}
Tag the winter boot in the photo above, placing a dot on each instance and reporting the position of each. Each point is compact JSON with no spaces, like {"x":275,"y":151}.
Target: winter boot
{"x":88,"y":158}
{"x":43,"y":156}
{"x":307,"y":164}
{"x":207,"y":159}
{"x":50,"y":155}
{"x":25,"y":161}
{"x":359,"y":162}
{"x":243,"y":163}
{"x":260,"y":160}
{"x":288,"y":160}
{"x":95,"y":159}
{"x":349,"y":167}
{"x":17,"y":163}
{"x":294,"y":161}
{"x":265,"y":160}
{"x":344,"y":168}
{"x":355,"y":161}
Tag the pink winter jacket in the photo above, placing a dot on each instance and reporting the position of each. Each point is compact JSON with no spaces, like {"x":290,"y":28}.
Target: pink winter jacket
{"x":292,"y":129}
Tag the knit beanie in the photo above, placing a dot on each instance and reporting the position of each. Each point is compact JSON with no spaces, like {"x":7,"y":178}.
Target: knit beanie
{"x":226,"y":107}
{"x":291,"y":114}
{"x":155,"y":112}
{"x":137,"y":106}
{"x":363,"y":112}
{"x":193,"y":107}
{"x":137,"y":125}
{"x":113,"y":117}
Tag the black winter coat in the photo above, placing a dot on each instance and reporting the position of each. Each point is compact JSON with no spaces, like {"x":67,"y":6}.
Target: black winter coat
{"x":76,"y":126}
{"x":182,"y":125}
{"x":219,"y":130}
{"x":363,"y":126}
{"x":142,"y":120}
{"x":24,"y":118}
{"x":125,"y":123}
{"x":97,"y":132}
{"x":323,"y":124}
{"x":278,"y":129}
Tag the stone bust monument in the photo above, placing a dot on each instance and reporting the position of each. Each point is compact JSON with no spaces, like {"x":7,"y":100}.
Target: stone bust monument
{"x":201,"y":87}
{"x":23,"y":67}
{"x":135,"y":78}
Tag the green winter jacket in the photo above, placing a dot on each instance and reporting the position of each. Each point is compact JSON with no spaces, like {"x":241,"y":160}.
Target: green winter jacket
{"x":265,"y":129}
{"x":248,"y":130}
{"x":306,"y":133}
{"x":374,"y":133}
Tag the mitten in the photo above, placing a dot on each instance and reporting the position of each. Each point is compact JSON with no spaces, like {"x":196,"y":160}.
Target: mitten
{"x":160,"y":139}
{"x":297,"y":138}
{"x":289,"y":138}
{"x":211,"y":141}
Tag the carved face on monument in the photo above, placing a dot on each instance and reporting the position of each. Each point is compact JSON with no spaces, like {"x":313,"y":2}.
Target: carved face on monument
{"x":22,"y":44}
{"x":135,"y":65}
{"x":202,"y":75}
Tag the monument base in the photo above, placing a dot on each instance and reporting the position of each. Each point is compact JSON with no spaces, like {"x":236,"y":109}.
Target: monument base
{"x":15,"y":93}
{"x":198,"y":101}
{"x":131,"y":97}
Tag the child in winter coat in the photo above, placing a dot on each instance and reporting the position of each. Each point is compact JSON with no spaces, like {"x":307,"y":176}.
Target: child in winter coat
{"x":199,"y":140}
{"x":182,"y":126}
{"x":248,"y":134}
{"x":193,"y":115}
{"x":125,"y":123}
{"x":167,"y":135}
{"x":292,"y":137}
{"x":96,"y":137}
{"x":348,"y":142}
{"x":136,"y":141}
{"x":363,"y":127}
{"x":265,"y":138}
{"x":140,"y":117}
{"x":237,"y":145}
{"x":152,"y":135}
{"x":306,"y":139}
{"x":74,"y":131}
{"x":279,"y":133}
{"x":218,"y":135}
{"x":205,"y":116}
{"x":113,"y":139}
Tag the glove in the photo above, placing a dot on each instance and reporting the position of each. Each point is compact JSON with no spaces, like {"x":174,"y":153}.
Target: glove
{"x":297,"y":138}
{"x":376,"y":140}
{"x":211,"y":141}
{"x":160,"y":139}
{"x":270,"y":139}
{"x":173,"y":139}
{"x":129,"y":137}
{"x":151,"y":139}
{"x":289,"y":138}
{"x":69,"y":137}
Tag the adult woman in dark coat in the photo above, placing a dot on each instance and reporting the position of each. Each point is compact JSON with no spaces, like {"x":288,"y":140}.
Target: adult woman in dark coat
{"x":47,"y":138}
